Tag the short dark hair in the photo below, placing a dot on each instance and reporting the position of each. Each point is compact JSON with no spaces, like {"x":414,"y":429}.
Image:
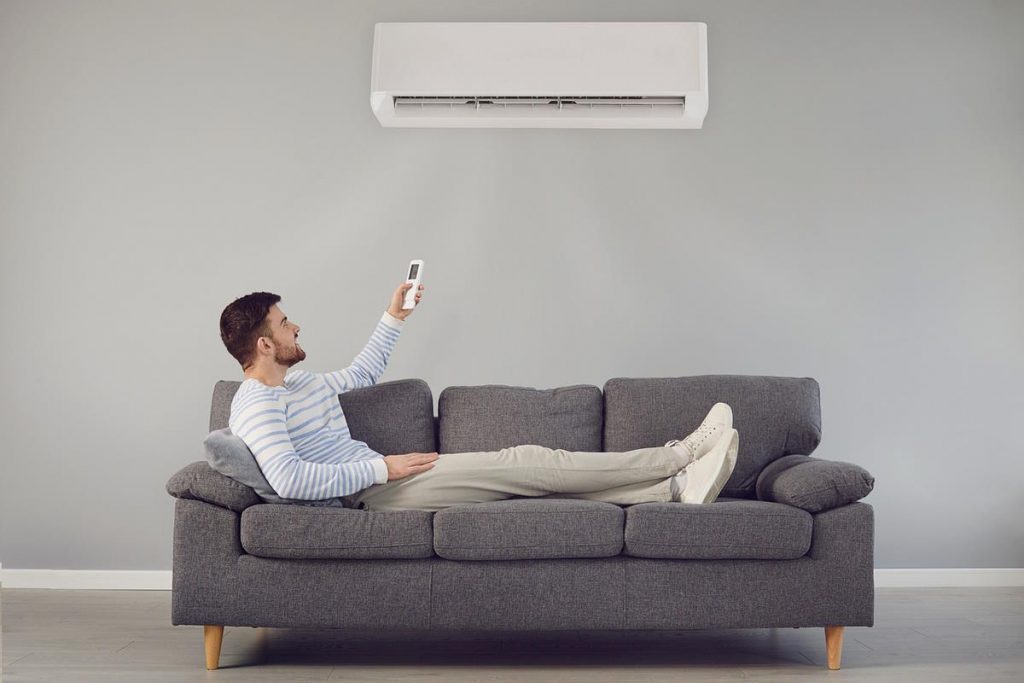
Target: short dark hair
{"x":243,"y":321}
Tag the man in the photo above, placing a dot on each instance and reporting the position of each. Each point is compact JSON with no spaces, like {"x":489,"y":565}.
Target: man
{"x":294,"y":426}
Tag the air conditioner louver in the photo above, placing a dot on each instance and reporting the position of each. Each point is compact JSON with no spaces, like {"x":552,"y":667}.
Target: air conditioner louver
{"x":540,"y":107}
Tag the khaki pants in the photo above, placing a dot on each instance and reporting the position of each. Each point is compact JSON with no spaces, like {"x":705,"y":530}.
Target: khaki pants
{"x":639,"y":476}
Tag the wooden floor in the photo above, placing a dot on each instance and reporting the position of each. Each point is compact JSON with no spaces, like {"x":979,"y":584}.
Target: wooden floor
{"x":931,"y":634}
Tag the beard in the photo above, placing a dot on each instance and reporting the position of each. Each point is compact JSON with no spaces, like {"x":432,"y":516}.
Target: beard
{"x":290,"y":356}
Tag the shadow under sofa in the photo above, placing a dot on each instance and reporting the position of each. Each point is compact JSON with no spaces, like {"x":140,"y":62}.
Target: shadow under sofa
{"x":785,"y":545}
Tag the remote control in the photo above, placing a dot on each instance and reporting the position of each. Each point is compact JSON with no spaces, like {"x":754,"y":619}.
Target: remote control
{"x":415,"y":276}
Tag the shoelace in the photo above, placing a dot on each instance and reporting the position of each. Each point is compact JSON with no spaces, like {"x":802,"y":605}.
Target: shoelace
{"x":694,"y":441}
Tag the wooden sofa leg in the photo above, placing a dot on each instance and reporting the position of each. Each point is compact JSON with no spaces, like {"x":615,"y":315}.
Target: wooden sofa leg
{"x":834,"y":645}
{"x":212,"y":637}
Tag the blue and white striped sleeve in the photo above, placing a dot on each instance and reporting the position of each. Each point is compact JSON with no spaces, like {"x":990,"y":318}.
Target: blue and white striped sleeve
{"x":259,"y":420}
{"x":369,"y":364}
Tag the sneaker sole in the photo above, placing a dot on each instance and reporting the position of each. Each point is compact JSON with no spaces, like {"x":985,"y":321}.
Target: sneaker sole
{"x":724,"y":470}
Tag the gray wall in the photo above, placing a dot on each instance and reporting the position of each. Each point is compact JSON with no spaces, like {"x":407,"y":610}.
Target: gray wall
{"x":851,"y":211}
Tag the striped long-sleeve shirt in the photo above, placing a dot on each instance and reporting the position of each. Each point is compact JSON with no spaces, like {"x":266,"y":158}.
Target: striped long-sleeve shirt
{"x":298,"y":432}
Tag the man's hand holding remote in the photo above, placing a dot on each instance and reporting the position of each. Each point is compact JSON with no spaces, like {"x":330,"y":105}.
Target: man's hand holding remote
{"x":395,"y":308}
{"x":401,"y":466}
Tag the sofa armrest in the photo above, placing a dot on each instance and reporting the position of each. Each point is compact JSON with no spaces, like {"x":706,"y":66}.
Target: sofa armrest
{"x":199,"y":481}
{"x":813,"y":484}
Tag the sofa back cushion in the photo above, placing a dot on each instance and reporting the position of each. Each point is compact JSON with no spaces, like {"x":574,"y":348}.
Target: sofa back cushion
{"x":495,"y":416}
{"x":775,"y":416}
{"x":391,"y":417}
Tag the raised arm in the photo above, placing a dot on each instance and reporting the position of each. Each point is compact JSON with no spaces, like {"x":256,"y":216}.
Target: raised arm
{"x":260,"y":422}
{"x":370,"y":363}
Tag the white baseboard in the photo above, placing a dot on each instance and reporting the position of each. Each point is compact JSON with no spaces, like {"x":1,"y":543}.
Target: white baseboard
{"x":953,"y":578}
{"x":161,"y":580}
{"x":86,"y":579}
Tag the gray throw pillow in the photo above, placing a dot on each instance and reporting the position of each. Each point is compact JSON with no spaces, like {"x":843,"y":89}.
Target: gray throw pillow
{"x":199,"y":481}
{"x":230,"y":456}
{"x":813,"y":484}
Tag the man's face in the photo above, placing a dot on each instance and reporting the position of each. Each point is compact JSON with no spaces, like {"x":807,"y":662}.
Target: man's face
{"x":287,"y":351}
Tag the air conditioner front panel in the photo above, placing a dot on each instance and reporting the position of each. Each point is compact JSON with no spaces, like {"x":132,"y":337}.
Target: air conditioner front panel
{"x":523,"y":58}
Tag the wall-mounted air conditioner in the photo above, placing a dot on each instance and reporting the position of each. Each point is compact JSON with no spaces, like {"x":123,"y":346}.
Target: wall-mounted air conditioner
{"x":540,"y":75}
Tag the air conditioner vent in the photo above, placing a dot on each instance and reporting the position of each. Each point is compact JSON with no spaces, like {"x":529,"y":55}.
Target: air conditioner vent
{"x":497,"y":107}
{"x":557,"y":100}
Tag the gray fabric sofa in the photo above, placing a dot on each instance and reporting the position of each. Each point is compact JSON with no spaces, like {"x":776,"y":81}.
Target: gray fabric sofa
{"x":548,"y":563}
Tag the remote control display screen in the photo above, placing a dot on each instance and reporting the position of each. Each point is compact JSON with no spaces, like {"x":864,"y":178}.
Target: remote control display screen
{"x":412,"y":271}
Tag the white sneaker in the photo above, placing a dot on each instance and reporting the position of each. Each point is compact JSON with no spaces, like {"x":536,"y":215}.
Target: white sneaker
{"x":705,"y":477}
{"x":700,"y":442}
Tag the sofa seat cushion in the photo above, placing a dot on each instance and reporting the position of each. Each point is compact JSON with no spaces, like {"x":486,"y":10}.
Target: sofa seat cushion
{"x":729,"y":528}
{"x":528,"y":528}
{"x":304,"y":532}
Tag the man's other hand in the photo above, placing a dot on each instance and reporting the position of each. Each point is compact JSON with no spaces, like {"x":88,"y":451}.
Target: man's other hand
{"x":401,"y":466}
{"x":398,"y":298}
